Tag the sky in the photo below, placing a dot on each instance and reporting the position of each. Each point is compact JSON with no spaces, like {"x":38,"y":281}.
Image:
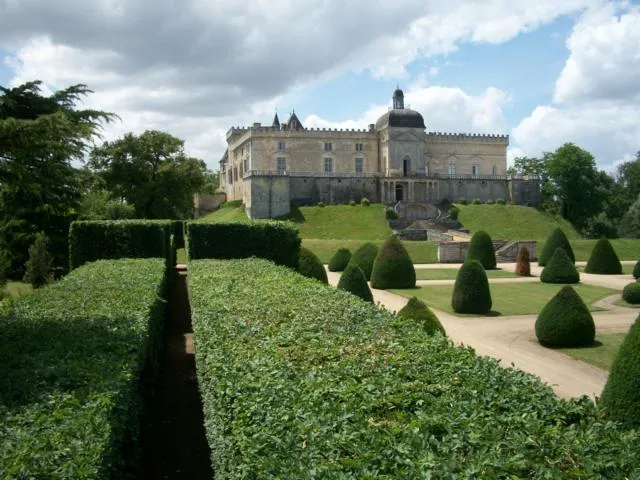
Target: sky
{"x":545,"y":72}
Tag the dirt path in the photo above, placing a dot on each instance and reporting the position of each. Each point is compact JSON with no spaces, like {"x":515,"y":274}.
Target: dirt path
{"x":174,"y":445}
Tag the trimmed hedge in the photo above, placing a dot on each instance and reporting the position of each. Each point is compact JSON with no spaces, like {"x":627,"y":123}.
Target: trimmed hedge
{"x":636,"y":270}
{"x":340,"y":260}
{"x":560,"y":269}
{"x":523,"y":264}
{"x":310,"y":266}
{"x":620,"y":398}
{"x":393,"y":267}
{"x":556,"y":239}
{"x":276,"y":241}
{"x":114,"y":239}
{"x":631,"y":293}
{"x":603,"y":259}
{"x":75,"y":358}
{"x":565,"y":321}
{"x":417,"y":310}
{"x":471,"y":293}
{"x":352,"y":280}
{"x":305,"y":381}
{"x":364,"y":258}
{"x":481,"y":249}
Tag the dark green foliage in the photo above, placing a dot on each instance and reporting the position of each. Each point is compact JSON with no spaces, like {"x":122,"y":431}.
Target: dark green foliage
{"x":365,"y":202}
{"x":305,"y":381}
{"x":500,"y":201}
{"x":476,"y":201}
{"x":620,"y":398}
{"x":178,"y":232}
{"x":364,"y":258}
{"x":310,"y":266}
{"x":75,"y":357}
{"x":603,"y":259}
{"x":393,"y":267}
{"x":523,"y":265}
{"x":232,"y":204}
{"x":489,"y":202}
{"x":417,"y":310}
{"x":560,"y":269}
{"x":631,"y":293}
{"x":352,"y":280}
{"x":565,"y":321}
{"x":471,"y":293}
{"x":481,"y":249}
{"x":453,"y":213}
{"x":557,"y":239}
{"x":276,"y":241}
{"x":462,"y":201}
{"x":390,"y":214}
{"x":352,"y":203}
{"x":111,"y":239}
{"x":340,"y":260}
{"x":38,"y":270}
{"x":636,"y":270}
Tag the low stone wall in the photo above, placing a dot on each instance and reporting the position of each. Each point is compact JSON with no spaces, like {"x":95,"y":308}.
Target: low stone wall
{"x":412,"y":234}
{"x":456,"y":252}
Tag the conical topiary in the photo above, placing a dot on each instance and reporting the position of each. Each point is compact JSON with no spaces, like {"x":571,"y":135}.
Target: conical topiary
{"x":310,"y":266}
{"x":352,"y":280}
{"x":523,"y":265}
{"x":481,"y":249}
{"x":620,"y":398}
{"x":393,"y":267}
{"x":631,"y":293}
{"x":603,"y":259}
{"x":560,"y":269}
{"x":419,"y":311}
{"x":636,"y":270}
{"x":471,"y":293}
{"x":557,"y":239}
{"x":565,"y":321}
{"x":364,"y":258}
{"x":340,"y":260}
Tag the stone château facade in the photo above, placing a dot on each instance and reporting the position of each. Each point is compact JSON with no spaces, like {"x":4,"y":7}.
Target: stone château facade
{"x":395,"y":160}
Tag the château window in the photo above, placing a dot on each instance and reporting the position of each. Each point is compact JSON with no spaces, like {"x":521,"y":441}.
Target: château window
{"x":246,"y":164}
{"x":475,"y":170}
{"x":327,"y":147}
{"x":494,"y":170}
{"x":359,"y":147}
{"x":328,"y":164}
{"x":359,"y":165}
{"x":452,"y":169}
{"x":282,"y":164}
{"x":281,"y":145}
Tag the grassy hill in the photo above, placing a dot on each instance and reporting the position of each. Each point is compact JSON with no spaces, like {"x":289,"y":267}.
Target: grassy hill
{"x":513,"y":222}
{"x":225,"y":214}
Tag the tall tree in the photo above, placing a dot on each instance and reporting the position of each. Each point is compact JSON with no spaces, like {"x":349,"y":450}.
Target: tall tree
{"x":151,"y":172}
{"x":629,"y":177}
{"x":578,"y":183}
{"x":39,"y":137}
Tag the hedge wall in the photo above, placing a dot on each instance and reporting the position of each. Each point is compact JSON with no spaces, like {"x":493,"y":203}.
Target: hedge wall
{"x":74,"y":358}
{"x":276,"y":241}
{"x":299,"y":380}
{"x":113,"y":239}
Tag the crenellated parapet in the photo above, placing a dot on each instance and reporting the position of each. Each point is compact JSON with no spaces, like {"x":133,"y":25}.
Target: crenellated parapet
{"x":262,"y":130}
{"x":468,"y":137}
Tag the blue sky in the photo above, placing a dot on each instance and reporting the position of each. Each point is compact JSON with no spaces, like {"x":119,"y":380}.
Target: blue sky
{"x":545,"y":74}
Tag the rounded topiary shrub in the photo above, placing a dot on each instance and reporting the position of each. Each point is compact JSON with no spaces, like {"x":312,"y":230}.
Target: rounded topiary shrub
{"x":481,"y":249}
{"x":500,"y":201}
{"x":603,"y":259}
{"x":462,"y":201}
{"x":310,"y":265}
{"x":523,"y":265}
{"x":393,"y":267}
{"x":557,"y":239}
{"x":476,"y":201}
{"x":636,"y":270}
{"x":489,"y":202}
{"x":352,"y":280}
{"x":453,"y":213}
{"x":352,"y":203}
{"x":417,"y":310}
{"x":631,"y":293}
{"x":560,"y":269}
{"x":565,"y":321}
{"x":620,"y":398}
{"x":365,"y":202}
{"x":364,"y":258}
{"x":471,"y":292}
{"x":390,"y":214}
{"x":340,"y":260}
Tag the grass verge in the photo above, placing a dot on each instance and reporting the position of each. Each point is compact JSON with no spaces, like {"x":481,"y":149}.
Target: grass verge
{"x":420,"y":252}
{"x":602,"y":354}
{"x":508,"y":298}
{"x":452,"y":273}
{"x":230,"y":214}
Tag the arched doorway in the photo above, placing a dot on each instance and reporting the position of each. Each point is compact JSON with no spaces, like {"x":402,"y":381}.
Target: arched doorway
{"x":406,"y":166}
{"x":399,"y":193}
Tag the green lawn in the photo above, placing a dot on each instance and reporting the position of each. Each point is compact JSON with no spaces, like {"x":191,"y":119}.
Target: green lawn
{"x":181,"y":256}
{"x":508,"y":298}
{"x":232,"y":214}
{"x":452,"y":273}
{"x":420,"y":252}
{"x":18,"y":288}
{"x":626,"y":269}
{"x":602,"y":354}
{"x":343,"y":222}
{"x":626,"y":248}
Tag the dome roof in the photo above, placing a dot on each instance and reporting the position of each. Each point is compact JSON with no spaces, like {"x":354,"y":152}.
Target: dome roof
{"x":401,"y":117}
{"x":398,"y":93}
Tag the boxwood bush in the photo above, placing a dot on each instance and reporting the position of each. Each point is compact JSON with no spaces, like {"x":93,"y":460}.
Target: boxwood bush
{"x":471,"y":292}
{"x":113,"y":239}
{"x":364,"y":257}
{"x":417,"y":310}
{"x":560,"y":269}
{"x":339,"y":261}
{"x":310,"y":266}
{"x":305,"y":381}
{"x":277,"y":241}
{"x":393,"y":267}
{"x":565,"y":321}
{"x":603,"y":259}
{"x":631,"y":293}
{"x":636,"y":270}
{"x":481,"y":249}
{"x":352,"y":280}
{"x":74,"y":357}
{"x":556,"y":239}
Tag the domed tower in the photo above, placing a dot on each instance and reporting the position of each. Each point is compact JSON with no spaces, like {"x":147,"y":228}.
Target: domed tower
{"x":401,"y":135}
